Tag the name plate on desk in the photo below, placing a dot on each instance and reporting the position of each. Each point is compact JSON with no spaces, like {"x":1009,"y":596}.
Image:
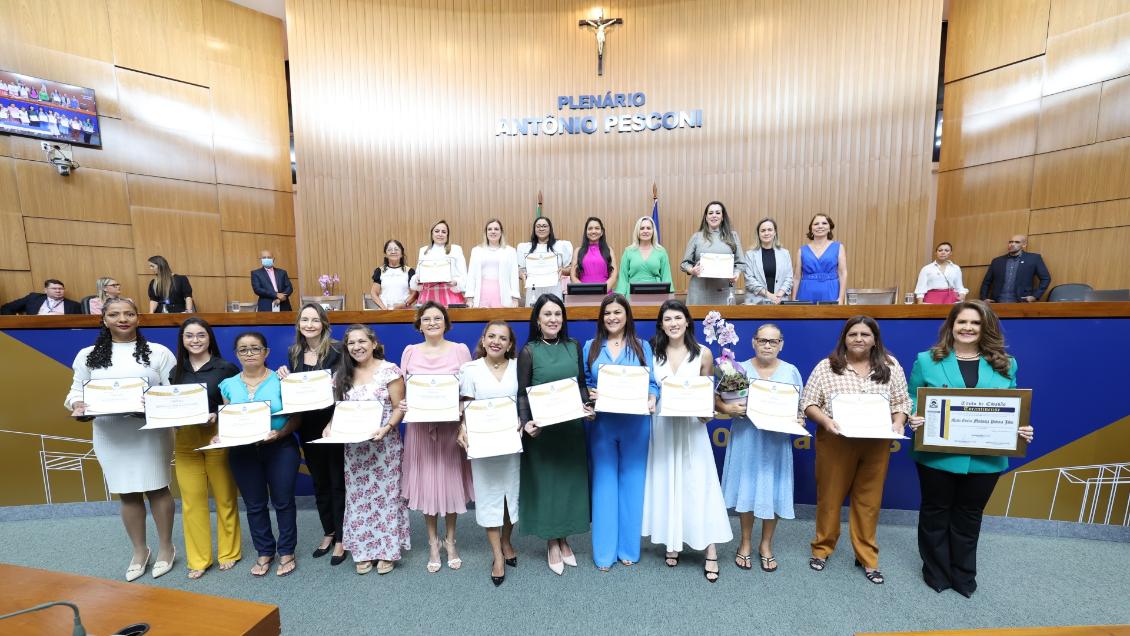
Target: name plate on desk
{"x":973,"y":421}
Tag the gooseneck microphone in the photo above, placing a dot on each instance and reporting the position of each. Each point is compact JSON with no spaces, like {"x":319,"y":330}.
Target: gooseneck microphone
{"x":78,"y":629}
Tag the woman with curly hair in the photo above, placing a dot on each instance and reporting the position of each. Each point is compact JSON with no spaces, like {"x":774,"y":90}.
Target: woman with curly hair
{"x":135,"y":462}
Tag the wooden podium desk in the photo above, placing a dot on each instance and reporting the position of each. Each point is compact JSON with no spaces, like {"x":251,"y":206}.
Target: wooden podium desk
{"x":105,"y":606}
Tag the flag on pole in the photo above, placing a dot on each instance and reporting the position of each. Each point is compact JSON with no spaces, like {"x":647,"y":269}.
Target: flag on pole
{"x":655,"y":212}
{"x":537,"y":211}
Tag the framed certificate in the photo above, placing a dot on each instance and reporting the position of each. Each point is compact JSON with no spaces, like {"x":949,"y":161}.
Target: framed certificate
{"x":242,"y":424}
{"x":622,"y":389}
{"x":686,"y":397}
{"x":434,"y":270}
{"x":114,"y":396}
{"x":973,"y":421}
{"x":556,"y":402}
{"x":775,"y":406}
{"x":176,"y":405}
{"x":432,"y":398}
{"x":354,"y":421}
{"x":542,"y":270}
{"x":307,"y":391}
{"x":492,"y":428}
{"x":864,"y":415}
{"x":716,"y":265}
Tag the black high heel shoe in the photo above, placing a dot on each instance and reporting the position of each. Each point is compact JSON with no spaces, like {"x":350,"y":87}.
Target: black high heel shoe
{"x":321,"y":552}
{"x":512,"y":561}
{"x":497,"y":580}
{"x":338,"y":560}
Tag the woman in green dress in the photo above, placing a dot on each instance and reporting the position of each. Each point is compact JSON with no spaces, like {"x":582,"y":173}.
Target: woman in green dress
{"x":554,"y":488}
{"x":645,"y":260}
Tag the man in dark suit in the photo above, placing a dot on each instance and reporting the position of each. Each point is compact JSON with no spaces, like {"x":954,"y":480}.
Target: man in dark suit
{"x":51,"y":301}
{"x":1009,"y":279}
{"x":271,"y":285}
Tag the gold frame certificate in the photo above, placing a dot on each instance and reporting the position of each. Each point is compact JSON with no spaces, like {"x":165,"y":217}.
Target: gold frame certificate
{"x":307,"y":391}
{"x":354,"y":421}
{"x":434,"y":270}
{"x":176,"y":405}
{"x":432,"y":398}
{"x":556,"y":402}
{"x":686,"y":397}
{"x":775,"y":406}
{"x":716,"y":265}
{"x":114,"y":396}
{"x":492,"y":428}
{"x":242,"y":424}
{"x":542,"y":270}
{"x":864,"y":415}
{"x":973,"y":421}
{"x":622,"y":388}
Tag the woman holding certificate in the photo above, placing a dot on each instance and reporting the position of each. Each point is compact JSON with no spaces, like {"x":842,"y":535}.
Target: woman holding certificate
{"x":494,"y":374}
{"x":769,"y":268}
{"x":757,"y":477}
{"x":594,"y":260}
{"x":714,"y":258}
{"x":683,"y":502}
{"x":440,"y":260}
{"x":314,"y":349}
{"x":543,"y":260}
{"x":134,"y":461}
{"x":848,"y":465}
{"x":436,"y":477}
{"x":199,"y":361}
{"x":645,"y":260}
{"x":554,"y":474}
{"x":618,"y":439}
{"x":970,"y":353}
{"x":823,"y":264}
{"x":492,"y":276}
{"x":267,"y":470}
{"x":376,"y":516}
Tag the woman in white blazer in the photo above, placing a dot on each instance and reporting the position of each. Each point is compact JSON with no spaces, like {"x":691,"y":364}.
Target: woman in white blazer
{"x":769,"y":267}
{"x":449,"y":293}
{"x":492,"y":275}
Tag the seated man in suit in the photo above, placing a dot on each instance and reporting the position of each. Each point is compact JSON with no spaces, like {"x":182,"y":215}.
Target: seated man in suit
{"x":271,"y":285}
{"x":1009,"y":278}
{"x":51,"y":301}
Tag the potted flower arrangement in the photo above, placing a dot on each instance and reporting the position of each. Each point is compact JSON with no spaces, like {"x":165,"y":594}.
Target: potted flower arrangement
{"x":733,"y":385}
{"x":329,"y":283}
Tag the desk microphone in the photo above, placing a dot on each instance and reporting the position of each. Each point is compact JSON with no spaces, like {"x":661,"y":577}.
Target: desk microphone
{"x":78,"y":630}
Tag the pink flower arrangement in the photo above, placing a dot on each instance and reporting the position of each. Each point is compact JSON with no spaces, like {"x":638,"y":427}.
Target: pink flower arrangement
{"x":716,"y":329}
{"x":328,"y":283}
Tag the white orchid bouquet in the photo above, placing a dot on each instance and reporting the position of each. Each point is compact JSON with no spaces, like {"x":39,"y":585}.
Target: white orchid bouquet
{"x":329,"y":283}
{"x":733,"y":378}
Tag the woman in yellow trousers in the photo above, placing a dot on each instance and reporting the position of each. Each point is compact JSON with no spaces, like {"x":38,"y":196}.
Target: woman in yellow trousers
{"x":199,"y":361}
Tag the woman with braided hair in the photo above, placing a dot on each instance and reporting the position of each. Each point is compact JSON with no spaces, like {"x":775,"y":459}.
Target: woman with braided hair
{"x":135,"y":462}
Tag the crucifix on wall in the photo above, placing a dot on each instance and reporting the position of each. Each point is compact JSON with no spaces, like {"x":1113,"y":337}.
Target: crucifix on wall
{"x":600,"y":25}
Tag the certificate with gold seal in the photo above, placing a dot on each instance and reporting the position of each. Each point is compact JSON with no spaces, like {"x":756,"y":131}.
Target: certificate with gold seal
{"x":176,"y":405}
{"x":556,"y":402}
{"x":354,"y":421}
{"x":864,"y":415}
{"x":686,"y":397}
{"x":492,"y":428}
{"x":716,"y":265}
{"x":622,"y":388}
{"x":973,"y":421}
{"x":242,"y":424}
{"x":432,"y":398}
{"x":114,"y":396}
{"x":434,"y":270}
{"x":542,"y":270}
{"x":307,"y":391}
{"x":775,"y":406}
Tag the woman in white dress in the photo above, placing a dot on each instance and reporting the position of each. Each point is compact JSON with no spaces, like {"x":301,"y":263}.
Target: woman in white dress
{"x":683,"y":502}
{"x":494,"y":374}
{"x":492,"y":275}
{"x":390,"y":289}
{"x":543,"y":241}
{"x":136,"y":463}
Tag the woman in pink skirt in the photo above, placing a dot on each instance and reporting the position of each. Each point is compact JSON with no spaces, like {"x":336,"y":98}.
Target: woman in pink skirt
{"x":436,"y":476}
{"x":492,"y":275}
{"x":441,"y":249}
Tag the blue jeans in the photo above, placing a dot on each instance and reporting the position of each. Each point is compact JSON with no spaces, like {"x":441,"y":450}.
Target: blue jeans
{"x":262,"y":472}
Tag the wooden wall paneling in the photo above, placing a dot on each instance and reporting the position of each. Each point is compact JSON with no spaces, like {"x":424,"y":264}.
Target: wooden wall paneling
{"x":992,"y":116}
{"x":256,"y":211}
{"x":172,"y":194}
{"x":83,"y":30}
{"x":986,"y":34}
{"x":9,"y":191}
{"x":1080,"y":217}
{"x":994,"y":187}
{"x":241,"y":252}
{"x":68,"y":68}
{"x":1098,"y":172}
{"x":189,"y":240}
{"x":17,"y":284}
{"x":972,"y":276}
{"x":978,"y":239}
{"x":86,"y":195}
{"x":61,"y":232}
{"x":1066,"y":255}
{"x":161,"y":37}
{"x":164,"y":103}
{"x":1069,"y":119}
{"x":1114,"y":109}
{"x":253,"y":163}
{"x":5,"y":146}
{"x":239,"y":288}
{"x":1069,"y":15}
{"x":79,"y":266}
{"x":13,"y":247}
{"x":141,"y":148}
{"x":1093,"y":53}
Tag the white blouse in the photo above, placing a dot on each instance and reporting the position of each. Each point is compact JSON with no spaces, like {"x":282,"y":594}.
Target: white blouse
{"x":458,"y":264}
{"x":478,"y":383}
{"x":933,"y":277}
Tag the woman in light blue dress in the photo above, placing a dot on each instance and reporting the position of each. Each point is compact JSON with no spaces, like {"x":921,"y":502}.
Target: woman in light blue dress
{"x":823,"y":277}
{"x":757,"y":478}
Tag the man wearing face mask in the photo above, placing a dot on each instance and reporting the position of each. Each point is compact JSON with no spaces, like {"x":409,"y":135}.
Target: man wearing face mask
{"x":271,"y":285}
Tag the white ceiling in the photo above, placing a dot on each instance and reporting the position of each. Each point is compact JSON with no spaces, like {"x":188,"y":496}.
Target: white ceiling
{"x":276,"y":8}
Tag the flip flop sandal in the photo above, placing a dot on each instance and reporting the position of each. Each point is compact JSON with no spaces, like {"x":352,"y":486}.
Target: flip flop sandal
{"x":746,"y":562}
{"x":818,"y":564}
{"x":766,"y":561}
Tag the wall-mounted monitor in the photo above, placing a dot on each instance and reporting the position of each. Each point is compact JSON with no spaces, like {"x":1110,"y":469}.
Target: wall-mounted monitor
{"x":52,"y":111}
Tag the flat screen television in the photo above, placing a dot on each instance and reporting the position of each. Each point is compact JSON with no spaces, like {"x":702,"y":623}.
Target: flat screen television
{"x":52,"y":111}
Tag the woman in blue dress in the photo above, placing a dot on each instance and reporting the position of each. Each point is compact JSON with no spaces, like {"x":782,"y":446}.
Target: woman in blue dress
{"x":757,"y":478}
{"x":822,"y":268}
{"x":618,"y":442}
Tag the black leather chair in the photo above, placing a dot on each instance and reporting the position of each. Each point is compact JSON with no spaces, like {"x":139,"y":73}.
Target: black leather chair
{"x":1069,"y":292}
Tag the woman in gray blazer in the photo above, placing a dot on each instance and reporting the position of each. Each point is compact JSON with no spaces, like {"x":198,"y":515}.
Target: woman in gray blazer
{"x":770,"y":268}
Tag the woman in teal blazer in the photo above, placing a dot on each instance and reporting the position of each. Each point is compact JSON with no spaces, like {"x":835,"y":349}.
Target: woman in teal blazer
{"x":970,"y":353}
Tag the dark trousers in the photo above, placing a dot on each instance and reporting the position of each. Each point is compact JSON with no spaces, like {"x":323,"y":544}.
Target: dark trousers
{"x":326,"y":463}
{"x":949,"y":525}
{"x":268,"y":472}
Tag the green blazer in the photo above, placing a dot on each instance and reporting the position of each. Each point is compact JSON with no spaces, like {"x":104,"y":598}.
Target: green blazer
{"x":928,"y":373}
